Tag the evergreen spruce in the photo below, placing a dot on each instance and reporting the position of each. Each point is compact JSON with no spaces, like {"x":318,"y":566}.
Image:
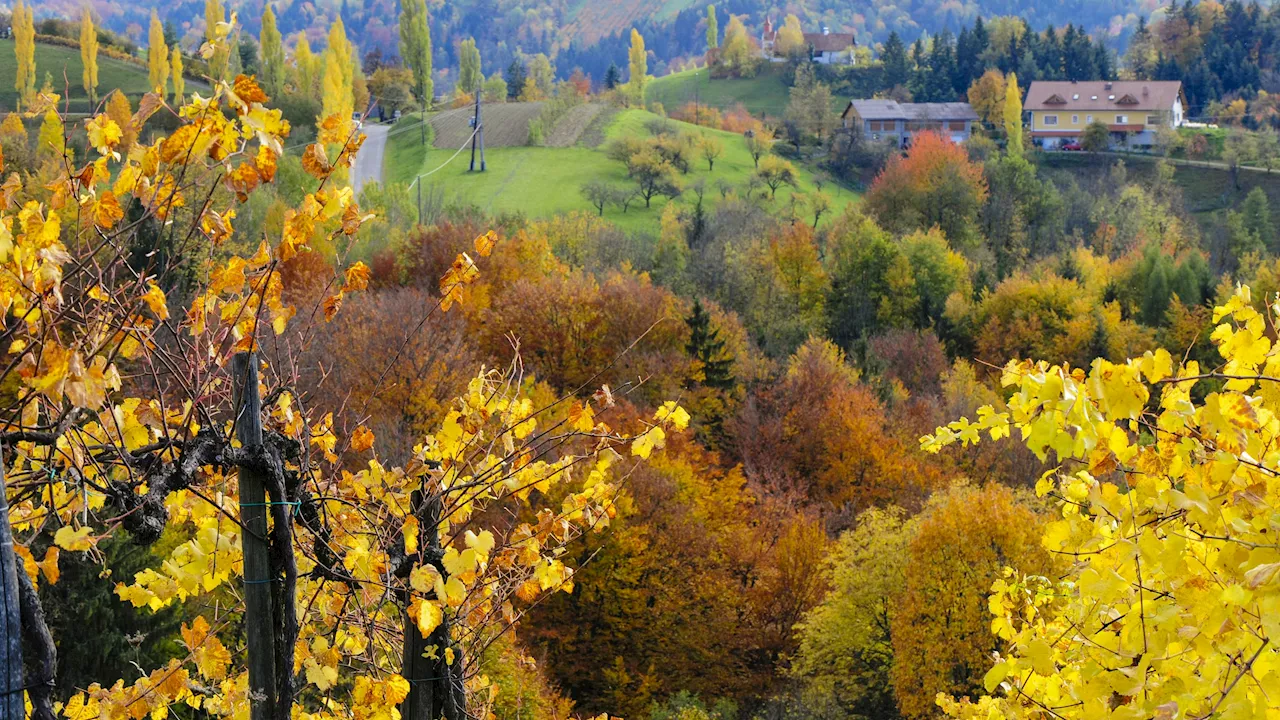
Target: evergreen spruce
{"x":706,"y":347}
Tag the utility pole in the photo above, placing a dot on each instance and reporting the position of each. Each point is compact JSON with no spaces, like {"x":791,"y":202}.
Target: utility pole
{"x":695,"y":99}
{"x":477,"y":137}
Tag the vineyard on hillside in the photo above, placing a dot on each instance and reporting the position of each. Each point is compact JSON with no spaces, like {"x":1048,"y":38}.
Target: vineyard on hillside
{"x":505,"y":125}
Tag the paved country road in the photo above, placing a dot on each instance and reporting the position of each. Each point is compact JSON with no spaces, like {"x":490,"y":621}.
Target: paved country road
{"x":368,"y":167}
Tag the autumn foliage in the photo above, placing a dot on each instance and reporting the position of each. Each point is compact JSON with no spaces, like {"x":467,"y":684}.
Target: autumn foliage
{"x":935,"y":184}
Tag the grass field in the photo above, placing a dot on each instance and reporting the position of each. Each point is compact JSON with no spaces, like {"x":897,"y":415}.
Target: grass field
{"x":64,"y":62}
{"x":765,"y":95}
{"x":541,"y":181}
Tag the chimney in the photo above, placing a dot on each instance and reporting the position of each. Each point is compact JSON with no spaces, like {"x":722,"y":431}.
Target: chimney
{"x":1145,"y":91}
{"x":826,"y":30}
{"x":1108,"y":86}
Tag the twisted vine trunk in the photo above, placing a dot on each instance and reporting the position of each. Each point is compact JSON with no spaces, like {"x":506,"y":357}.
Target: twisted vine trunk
{"x":435,"y":686}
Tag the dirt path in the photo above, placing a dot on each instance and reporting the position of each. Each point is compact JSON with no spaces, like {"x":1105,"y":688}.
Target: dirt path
{"x":368,"y":166}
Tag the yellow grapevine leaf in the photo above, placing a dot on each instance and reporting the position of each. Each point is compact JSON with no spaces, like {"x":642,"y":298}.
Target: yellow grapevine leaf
{"x":72,"y":540}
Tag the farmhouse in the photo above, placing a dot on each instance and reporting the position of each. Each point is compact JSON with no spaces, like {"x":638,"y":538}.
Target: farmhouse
{"x":1133,"y":110}
{"x":826,"y":47}
{"x":890,"y":120}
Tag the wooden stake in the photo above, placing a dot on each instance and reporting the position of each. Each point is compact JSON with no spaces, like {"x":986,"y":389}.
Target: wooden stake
{"x":11,"y":707}
{"x":258,"y":621}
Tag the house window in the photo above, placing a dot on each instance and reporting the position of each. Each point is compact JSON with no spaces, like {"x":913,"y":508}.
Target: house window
{"x":1122,"y":119}
{"x":1088,"y":119}
{"x":956,"y":125}
{"x":1050,"y":120}
{"x":1075,"y":119}
{"x":1153,"y":119}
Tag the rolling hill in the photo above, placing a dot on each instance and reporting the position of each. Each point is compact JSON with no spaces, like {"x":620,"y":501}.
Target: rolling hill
{"x":544,"y":181}
{"x":62,"y":64}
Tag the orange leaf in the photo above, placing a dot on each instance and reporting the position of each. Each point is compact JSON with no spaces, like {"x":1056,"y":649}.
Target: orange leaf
{"x":361,"y":439}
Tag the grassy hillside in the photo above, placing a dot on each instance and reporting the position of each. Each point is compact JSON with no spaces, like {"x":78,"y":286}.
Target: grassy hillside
{"x":543,"y":181}
{"x":765,"y":95}
{"x":63,"y":63}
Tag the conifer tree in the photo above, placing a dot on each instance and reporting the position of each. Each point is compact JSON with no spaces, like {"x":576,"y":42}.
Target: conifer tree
{"x":272,"y":53}
{"x":89,"y":55}
{"x":157,"y":56}
{"x":714,"y":365}
{"x":613,"y":76}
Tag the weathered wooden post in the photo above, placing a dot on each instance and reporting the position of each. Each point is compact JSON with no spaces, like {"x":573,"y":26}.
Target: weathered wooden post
{"x":11,"y":707}
{"x":258,"y":575}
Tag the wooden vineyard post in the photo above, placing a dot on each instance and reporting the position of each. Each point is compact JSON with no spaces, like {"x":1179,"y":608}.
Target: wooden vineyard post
{"x":11,"y":706}
{"x":258,"y":576}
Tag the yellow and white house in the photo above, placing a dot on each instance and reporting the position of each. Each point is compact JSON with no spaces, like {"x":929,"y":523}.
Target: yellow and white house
{"x":1133,"y":110}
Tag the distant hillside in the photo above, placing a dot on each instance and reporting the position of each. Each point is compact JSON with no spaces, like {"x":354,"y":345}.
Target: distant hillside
{"x":591,"y":34}
{"x":63,"y":65}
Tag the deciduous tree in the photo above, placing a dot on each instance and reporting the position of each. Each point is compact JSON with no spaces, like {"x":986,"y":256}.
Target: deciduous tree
{"x":1134,"y":527}
{"x":157,"y":57}
{"x":1013,"y":115}
{"x":942,"y":638}
{"x":89,"y":55}
{"x":638,"y":59}
{"x":220,"y":50}
{"x":713,"y":29}
{"x":179,"y":80}
{"x":470,"y":77}
{"x":415,"y":48}
{"x":24,"y":47}
{"x":273,"y":68}
{"x":776,"y":172}
{"x":988,"y":95}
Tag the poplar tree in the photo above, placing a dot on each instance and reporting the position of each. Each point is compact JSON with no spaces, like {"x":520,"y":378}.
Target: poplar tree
{"x":305,"y":71}
{"x":272,"y":53}
{"x":1013,"y":115}
{"x":713,"y":29}
{"x":175,"y":69}
{"x":639,"y":59}
{"x":415,"y":48}
{"x":469,"y":77}
{"x":24,"y":47}
{"x":89,"y":55}
{"x":214,"y":14}
{"x":157,"y":56}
